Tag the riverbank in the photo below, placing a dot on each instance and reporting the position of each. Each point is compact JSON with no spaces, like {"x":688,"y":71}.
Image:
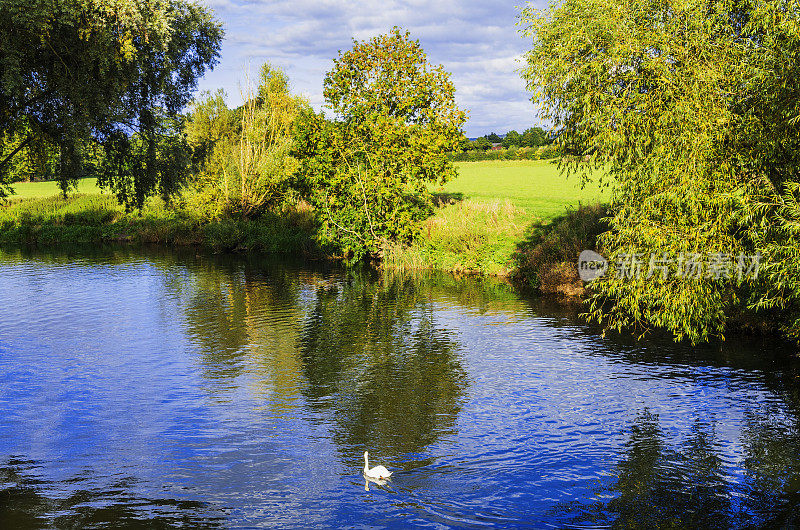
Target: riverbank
{"x":96,"y":218}
{"x":491,"y":213}
{"x":484,"y":219}
{"x":478,"y":235}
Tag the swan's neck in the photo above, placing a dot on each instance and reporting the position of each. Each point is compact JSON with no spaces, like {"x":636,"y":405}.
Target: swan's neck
{"x":366,"y":463}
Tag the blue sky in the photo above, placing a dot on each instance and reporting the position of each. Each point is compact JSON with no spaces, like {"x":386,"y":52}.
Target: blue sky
{"x":478,"y":42}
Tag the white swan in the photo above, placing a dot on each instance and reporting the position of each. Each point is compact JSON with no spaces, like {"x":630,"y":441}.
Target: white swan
{"x":377,"y":471}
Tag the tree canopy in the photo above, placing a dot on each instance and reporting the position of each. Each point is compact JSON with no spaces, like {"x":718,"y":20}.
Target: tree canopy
{"x":368,"y":171}
{"x":694,"y":108}
{"x":111,"y":72}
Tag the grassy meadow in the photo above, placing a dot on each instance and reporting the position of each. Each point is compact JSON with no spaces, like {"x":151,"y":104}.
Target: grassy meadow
{"x":482,"y":218}
{"x":535,"y":186}
{"x":31,"y":190}
{"x":488,"y":211}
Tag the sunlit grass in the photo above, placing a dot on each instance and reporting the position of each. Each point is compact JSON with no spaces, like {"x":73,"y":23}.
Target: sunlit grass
{"x":536,"y":186}
{"x":29,"y":190}
{"x":469,"y":235}
{"x":488,"y":208}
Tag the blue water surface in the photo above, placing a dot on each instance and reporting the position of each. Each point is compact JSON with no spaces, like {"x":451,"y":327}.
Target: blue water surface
{"x":158,"y":389}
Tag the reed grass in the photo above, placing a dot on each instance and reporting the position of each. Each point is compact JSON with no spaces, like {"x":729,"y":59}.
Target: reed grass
{"x":467,"y":236}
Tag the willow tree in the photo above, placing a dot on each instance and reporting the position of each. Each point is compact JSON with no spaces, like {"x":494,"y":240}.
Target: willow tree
{"x":244,"y":155}
{"x":694,"y":107}
{"x":74,"y":73}
{"x":368,"y":170}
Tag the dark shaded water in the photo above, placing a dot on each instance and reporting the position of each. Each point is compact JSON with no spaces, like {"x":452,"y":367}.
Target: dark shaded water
{"x":156,"y":389}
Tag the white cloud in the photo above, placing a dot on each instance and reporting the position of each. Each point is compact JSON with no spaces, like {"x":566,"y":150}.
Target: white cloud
{"x":477,"y":42}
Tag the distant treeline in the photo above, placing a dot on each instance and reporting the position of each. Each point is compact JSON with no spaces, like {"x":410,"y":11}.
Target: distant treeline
{"x":532,"y":137}
{"x":532,"y":144}
{"x":511,"y":153}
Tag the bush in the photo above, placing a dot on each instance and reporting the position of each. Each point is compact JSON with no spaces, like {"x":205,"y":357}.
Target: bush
{"x":547,"y":259}
{"x":244,"y":163}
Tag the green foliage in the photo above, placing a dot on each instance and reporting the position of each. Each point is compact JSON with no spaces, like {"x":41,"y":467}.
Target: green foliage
{"x":779,"y":244}
{"x":512,"y":153}
{"x":482,"y":144}
{"x":464,"y":144}
{"x":533,"y":137}
{"x":209,"y":124}
{"x":693,"y":106}
{"x":243,"y":157}
{"x":367,"y":173}
{"x":34,"y":160}
{"x":512,"y":138}
{"x":76,"y":72}
{"x":155,"y":160}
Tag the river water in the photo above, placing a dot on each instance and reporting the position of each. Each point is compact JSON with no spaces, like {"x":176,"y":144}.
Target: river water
{"x":156,"y":389}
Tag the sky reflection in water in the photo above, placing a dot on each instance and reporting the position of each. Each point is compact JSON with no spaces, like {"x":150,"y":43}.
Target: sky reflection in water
{"x":162,"y":389}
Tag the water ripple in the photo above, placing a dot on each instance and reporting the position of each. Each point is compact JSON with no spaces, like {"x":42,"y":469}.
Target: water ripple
{"x":168,"y":389}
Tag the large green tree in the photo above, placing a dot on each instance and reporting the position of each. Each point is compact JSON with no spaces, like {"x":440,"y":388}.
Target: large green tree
{"x":113,"y":72}
{"x":533,"y":137}
{"x":368,"y":171}
{"x":694,"y":107}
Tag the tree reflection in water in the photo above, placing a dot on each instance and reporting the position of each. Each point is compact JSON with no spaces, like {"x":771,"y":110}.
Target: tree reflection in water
{"x":24,"y":506}
{"x":365,"y":347}
{"x":658,"y":486}
{"x":244,"y":321}
{"x":216,"y":316}
{"x":374,"y":355}
{"x":771,"y":450}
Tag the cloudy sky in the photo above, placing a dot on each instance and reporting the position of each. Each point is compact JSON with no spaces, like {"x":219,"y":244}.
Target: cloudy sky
{"x":477,"y":41}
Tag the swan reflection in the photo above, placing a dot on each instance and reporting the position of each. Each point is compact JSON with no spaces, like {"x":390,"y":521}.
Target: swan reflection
{"x":378,"y":481}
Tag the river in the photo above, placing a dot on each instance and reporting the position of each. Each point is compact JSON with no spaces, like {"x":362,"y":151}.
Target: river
{"x":158,"y":388}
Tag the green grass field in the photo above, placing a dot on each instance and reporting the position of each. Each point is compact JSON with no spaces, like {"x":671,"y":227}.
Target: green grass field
{"x":31,"y":190}
{"x":500,"y":203}
{"x":535,"y":186}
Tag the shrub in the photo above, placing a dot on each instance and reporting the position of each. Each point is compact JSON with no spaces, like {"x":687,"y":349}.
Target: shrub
{"x":244,"y":160}
{"x":547,"y":259}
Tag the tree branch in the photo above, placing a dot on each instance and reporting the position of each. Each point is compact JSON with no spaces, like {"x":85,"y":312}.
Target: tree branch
{"x":21,"y":146}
